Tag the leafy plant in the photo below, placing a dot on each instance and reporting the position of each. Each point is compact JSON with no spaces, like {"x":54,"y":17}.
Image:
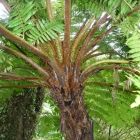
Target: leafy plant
{"x":68,"y":65}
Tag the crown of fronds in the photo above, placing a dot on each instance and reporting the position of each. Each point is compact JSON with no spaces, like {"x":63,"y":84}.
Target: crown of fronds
{"x":24,"y":23}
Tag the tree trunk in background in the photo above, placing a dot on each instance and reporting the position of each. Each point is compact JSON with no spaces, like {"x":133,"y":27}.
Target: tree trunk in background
{"x":18,"y":119}
{"x":75,"y":122}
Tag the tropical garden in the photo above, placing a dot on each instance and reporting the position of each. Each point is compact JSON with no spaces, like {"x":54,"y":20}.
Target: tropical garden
{"x":69,"y":70}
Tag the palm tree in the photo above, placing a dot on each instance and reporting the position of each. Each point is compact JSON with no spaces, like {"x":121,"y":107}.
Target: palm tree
{"x":63,"y":71}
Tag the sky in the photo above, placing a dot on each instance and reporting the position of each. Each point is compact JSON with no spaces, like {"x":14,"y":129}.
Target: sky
{"x":3,"y":12}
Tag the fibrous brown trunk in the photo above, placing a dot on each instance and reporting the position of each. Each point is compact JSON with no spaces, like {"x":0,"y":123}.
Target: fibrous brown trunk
{"x":75,"y":122}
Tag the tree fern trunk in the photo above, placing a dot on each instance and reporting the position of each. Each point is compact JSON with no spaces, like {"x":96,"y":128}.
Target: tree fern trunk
{"x":75,"y":122}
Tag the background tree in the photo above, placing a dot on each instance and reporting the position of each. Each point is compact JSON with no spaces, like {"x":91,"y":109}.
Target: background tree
{"x":66,"y":65}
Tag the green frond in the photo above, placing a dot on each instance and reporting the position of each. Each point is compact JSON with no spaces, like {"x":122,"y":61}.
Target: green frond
{"x":129,"y":25}
{"x":20,"y":19}
{"x":118,"y":113}
{"x":44,"y":31}
{"x":114,"y":7}
{"x":136,"y":80}
{"x":134,"y":44}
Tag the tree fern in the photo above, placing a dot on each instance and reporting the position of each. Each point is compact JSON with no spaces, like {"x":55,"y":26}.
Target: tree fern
{"x":66,"y":79}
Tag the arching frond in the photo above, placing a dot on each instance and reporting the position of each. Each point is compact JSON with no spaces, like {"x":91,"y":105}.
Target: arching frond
{"x":44,"y":31}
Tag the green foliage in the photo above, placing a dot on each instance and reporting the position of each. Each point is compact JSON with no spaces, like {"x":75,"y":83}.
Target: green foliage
{"x":44,"y":31}
{"x":20,"y":18}
{"x":114,"y":109}
{"x":136,"y":80}
{"x":49,"y":121}
{"x":130,"y":29}
{"x":23,"y":22}
{"x":134,"y":43}
{"x":12,"y":65}
{"x":106,"y":104}
{"x":109,"y":109}
{"x":114,"y":7}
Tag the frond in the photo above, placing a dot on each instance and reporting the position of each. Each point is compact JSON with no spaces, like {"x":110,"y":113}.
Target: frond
{"x":99,"y":100}
{"x":44,"y":31}
{"x":134,"y":44}
{"x":136,"y":80}
{"x":114,"y":7}
{"x":20,"y":19}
